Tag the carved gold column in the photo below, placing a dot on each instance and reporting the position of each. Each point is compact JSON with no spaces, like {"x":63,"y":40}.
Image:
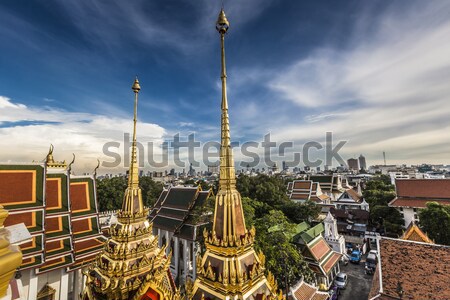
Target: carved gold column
{"x":10,"y":256}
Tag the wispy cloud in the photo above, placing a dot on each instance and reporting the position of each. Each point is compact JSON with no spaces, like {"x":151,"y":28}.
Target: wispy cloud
{"x":388,"y":89}
{"x":31,"y":130}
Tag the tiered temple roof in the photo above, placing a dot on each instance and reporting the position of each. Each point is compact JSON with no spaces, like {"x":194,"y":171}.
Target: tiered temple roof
{"x":306,"y":190}
{"x":87,"y":236}
{"x":320,"y":257}
{"x":58,"y":237}
{"x":174,"y":210}
{"x":131,"y":266}
{"x":230,"y":267}
{"x":330,"y":184}
{"x":41,"y":196}
{"x":22,"y":193}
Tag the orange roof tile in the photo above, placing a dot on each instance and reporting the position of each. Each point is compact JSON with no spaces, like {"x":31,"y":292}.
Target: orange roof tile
{"x":320,"y":249}
{"x":304,"y":291}
{"x":331,"y":262}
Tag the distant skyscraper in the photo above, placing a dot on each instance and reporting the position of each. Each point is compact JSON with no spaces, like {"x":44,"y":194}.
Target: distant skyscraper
{"x":353,"y":164}
{"x":362,"y":162}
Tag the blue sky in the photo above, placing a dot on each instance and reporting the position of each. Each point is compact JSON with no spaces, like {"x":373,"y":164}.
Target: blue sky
{"x":375,"y":73}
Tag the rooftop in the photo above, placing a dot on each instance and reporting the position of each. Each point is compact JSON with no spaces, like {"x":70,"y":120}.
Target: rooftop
{"x":419,"y":270}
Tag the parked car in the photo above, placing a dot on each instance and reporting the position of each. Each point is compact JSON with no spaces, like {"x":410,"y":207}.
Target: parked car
{"x":374,"y":252}
{"x":371,"y":263}
{"x":341,"y":280}
{"x":355,"y":257}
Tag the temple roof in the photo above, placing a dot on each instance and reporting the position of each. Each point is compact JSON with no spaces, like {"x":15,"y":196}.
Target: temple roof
{"x":22,"y":193}
{"x":305,"y":291}
{"x":413,"y":233}
{"x":415,"y":193}
{"x":174,"y":211}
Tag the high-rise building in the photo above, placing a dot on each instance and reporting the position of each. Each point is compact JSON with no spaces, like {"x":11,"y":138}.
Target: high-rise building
{"x":230,"y":268}
{"x":131,"y":266}
{"x":353,"y":164}
{"x":362,"y":162}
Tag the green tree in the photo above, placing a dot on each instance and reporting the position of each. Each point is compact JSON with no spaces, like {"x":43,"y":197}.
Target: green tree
{"x":110,"y":192}
{"x":299,"y":212}
{"x":283,"y":258}
{"x":435,"y":221}
{"x":387,"y":218}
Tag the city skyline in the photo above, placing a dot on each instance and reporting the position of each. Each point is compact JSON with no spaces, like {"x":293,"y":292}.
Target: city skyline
{"x":358,"y":70}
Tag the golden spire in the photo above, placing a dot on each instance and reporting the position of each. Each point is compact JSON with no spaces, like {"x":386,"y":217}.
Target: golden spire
{"x":230,"y":267}
{"x":229,"y":220}
{"x":133,"y":200}
{"x":227,"y":172}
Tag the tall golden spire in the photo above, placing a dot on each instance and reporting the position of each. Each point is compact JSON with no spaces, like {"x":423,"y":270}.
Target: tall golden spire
{"x":229,"y":217}
{"x":230,"y":267}
{"x":133,"y":199}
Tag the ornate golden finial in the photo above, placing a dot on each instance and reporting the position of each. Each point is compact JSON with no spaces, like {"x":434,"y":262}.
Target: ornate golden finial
{"x":69,"y":168}
{"x":49,"y":158}
{"x":222,"y":24}
{"x":136,"y":87}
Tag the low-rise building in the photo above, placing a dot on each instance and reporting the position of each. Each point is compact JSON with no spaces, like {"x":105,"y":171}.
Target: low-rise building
{"x":413,"y":195}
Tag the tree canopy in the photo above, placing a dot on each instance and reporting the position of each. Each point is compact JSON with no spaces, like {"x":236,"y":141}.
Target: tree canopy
{"x":110,"y":192}
{"x":435,"y":221}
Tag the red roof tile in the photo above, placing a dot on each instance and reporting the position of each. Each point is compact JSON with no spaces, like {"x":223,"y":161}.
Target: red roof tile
{"x":302,"y":184}
{"x":422,"y":270}
{"x":414,"y":202}
{"x":423,"y":188}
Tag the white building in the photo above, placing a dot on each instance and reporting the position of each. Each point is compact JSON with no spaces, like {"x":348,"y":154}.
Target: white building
{"x":332,"y":236}
{"x":413,"y":195}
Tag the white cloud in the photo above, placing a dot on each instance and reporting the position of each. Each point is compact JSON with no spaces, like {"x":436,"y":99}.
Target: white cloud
{"x":27,"y":132}
{"x":388,"y":89}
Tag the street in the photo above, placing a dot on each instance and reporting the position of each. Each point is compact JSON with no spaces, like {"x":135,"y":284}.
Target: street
{"x":359,"y":283}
